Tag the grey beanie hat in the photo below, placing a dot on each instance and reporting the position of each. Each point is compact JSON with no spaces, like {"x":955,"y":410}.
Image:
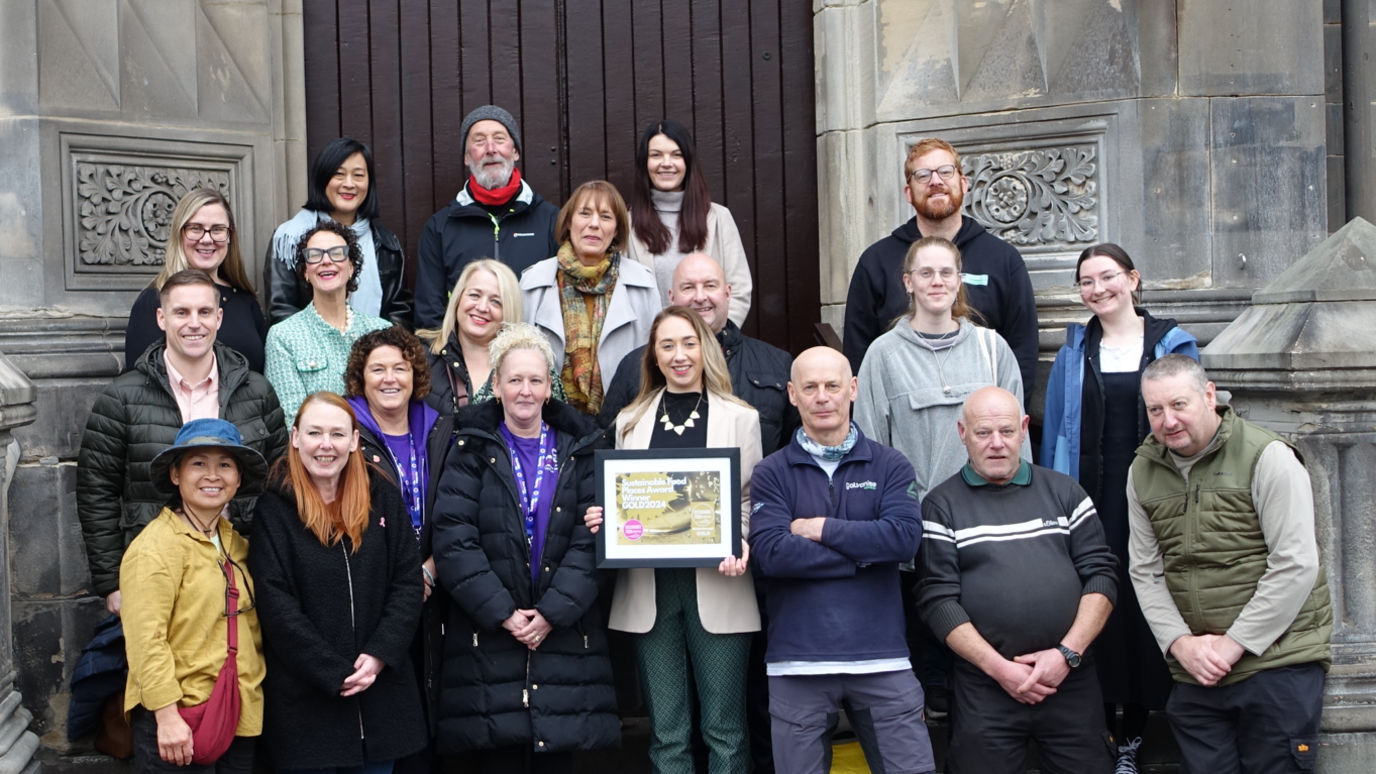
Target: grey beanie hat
{"x":491,"y":113}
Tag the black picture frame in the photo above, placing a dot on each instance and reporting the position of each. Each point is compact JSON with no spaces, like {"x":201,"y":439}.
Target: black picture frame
{"x":716,"y":470}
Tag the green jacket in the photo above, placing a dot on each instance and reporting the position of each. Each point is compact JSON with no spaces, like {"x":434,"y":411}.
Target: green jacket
{"x":134,"y":418}
{"x":1213,"y":549}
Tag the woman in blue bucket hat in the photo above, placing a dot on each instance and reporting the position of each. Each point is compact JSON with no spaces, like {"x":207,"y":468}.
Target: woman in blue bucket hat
{"x":189,"y":606}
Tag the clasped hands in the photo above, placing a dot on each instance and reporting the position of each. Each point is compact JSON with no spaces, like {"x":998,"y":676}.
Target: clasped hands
{"x":1031,"y":678}
{"x":1207,"y":657}
{"x":528,"y":627}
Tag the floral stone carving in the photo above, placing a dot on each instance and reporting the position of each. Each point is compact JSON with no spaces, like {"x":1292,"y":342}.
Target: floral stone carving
{"x":124,"y":212}
{"x":1043,"y":197}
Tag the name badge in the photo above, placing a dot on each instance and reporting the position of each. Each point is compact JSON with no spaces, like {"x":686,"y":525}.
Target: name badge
{"x":974,"y":279}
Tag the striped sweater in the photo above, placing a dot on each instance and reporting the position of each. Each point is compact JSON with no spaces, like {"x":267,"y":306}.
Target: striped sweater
{"x":1013,"y":560}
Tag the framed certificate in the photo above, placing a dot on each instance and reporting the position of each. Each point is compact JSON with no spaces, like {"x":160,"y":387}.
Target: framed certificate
{"x":668,"y":507}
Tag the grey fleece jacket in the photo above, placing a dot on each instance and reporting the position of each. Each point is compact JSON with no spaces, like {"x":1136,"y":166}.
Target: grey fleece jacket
{"x":902,"y":403}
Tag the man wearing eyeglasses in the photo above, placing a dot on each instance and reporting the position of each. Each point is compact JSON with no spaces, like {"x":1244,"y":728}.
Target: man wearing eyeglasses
{"x":995,"y":276}
{"x":189,"y":375}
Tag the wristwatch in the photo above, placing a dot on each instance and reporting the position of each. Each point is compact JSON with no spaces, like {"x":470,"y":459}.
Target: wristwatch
{"x":1071,"y":657}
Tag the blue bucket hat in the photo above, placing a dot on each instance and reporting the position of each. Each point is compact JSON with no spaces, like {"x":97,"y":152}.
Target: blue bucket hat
{"x":203,"y":433}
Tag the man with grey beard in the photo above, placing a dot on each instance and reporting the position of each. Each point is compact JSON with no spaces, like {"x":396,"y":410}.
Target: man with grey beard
{"x":495,"y":215}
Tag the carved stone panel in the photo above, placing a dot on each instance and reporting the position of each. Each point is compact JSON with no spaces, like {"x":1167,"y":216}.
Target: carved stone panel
{"x":1042,"y":198}
{"x":125,"y":210}
{"x":119,"y":194}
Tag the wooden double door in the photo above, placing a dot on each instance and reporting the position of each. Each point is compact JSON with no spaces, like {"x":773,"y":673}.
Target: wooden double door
{"x":584,"y":78}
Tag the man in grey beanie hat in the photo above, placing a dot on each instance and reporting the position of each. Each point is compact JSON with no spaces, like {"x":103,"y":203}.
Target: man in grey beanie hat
{"x":495,"y":215}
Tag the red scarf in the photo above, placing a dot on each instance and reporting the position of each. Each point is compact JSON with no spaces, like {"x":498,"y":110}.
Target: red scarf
{"x":497,"y":196}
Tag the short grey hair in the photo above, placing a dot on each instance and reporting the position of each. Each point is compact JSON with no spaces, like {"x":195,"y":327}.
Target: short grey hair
{"x":514,"y":337}
{"x":1175,"y":365}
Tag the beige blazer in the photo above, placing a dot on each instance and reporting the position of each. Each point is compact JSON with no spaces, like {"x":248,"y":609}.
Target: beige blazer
{"x":725,"y":605}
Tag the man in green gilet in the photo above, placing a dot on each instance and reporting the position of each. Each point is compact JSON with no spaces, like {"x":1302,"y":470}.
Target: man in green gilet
{"x":1226,"y":566}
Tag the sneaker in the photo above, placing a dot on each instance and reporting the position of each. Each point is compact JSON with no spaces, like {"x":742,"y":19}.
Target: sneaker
{"x":938,"y":702}
{"x":1127,"y":757}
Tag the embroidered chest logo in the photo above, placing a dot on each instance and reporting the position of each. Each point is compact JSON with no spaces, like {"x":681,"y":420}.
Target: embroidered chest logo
{"x":867,"y":485}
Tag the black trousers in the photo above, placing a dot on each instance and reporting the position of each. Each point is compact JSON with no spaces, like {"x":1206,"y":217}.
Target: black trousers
{"x":238,"y":759}
{"x":990,"y":729}
{"x":1266,"y":724}
{"x":521,"y":759}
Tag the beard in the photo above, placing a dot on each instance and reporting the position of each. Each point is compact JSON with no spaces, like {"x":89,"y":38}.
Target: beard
{"x":940,"y":211}
{"x":491,"y":177}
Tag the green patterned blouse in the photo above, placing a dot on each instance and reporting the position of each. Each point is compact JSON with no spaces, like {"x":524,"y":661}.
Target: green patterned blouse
{"x":305,"y":354}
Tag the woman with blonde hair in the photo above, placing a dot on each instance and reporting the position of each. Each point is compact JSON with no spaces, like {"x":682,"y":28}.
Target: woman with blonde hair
{"x":339,"y":597}
{"x":592,"y":304}
{"x":702,"y":616}
{"x":203,"y":236}
{"x":486,"y":296}
{"x":534,"y":682}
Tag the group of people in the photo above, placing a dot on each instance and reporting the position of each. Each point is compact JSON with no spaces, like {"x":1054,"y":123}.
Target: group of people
{"x":246,"y":467}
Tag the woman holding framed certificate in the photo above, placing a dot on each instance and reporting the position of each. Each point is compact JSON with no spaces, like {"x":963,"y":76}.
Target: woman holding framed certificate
{"x":702,"y":614}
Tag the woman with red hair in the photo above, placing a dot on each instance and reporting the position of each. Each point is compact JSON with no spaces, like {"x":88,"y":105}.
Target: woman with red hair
{"x":339,"y":598}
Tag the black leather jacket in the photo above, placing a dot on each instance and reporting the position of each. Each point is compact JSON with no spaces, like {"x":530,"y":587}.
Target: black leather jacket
{"x":287,"y":294}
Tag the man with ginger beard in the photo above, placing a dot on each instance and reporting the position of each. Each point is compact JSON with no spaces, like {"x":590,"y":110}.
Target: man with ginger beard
{"x":994,"y":274}
{"x":1017,"y":578}
{"x":495,"y":215}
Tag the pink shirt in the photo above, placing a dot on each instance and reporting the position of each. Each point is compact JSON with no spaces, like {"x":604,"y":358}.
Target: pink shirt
{"x":195,"y":401}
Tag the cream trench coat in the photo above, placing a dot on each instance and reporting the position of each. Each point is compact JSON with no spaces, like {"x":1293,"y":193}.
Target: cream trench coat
{"x":725,"y":605}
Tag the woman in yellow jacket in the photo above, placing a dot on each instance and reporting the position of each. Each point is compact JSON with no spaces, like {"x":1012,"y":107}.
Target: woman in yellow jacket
{"x":680,"y":615}
{"x":177,"y":602}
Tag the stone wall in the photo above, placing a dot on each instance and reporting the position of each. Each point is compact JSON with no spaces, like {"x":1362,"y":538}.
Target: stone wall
{"x":1191,"y":133}
{"x":110,"y":110}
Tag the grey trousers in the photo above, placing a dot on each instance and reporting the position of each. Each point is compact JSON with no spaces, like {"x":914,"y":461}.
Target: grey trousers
{"x":885,"y":709}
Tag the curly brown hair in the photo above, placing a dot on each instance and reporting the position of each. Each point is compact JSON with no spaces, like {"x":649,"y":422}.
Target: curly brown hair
{"x":343,"y":232}
{"x":405,"y":342}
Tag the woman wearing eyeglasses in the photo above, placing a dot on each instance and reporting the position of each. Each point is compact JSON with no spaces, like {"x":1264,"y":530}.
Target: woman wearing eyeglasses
{"x":339,"y":595}
{"x":202,"y":237}
{"x":309,"y":351}
{"x":341,"y":188}
{"x":1093,"y":423}
{"x":184,"y":587}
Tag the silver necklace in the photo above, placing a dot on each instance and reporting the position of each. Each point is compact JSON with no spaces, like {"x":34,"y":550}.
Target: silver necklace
{"x":692,"y":415}
{"x":945,"y":388}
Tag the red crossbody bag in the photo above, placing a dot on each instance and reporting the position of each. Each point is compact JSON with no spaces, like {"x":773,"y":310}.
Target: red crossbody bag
{"x":214,"y":721}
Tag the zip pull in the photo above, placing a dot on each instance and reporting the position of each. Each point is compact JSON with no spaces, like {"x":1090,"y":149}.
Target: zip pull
{"x":1196,"y":494}
{"x":525,"y":698}
{"x":585,"y":642}
{"x":475,"y":639}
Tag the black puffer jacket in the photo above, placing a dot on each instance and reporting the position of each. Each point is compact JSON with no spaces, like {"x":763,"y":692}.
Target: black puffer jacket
{"x":496,"y":692}
{"x":321,"y":607}
{"x":759,"y":376}
{"x":288,"y":294}
{"x":436,"y":609}
{"x":446,"y":366}
{"x":134,"y":418}
{"x":521,"y":234}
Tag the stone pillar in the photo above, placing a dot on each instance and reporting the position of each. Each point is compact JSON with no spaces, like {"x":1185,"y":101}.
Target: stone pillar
{"x":1302,"y":361}
{"x":17,"y":743}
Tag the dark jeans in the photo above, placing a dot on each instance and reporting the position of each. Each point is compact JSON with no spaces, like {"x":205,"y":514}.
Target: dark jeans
{"x":990,"y":729}
{"x":1266,"y":724}
{"x":236,"y":760}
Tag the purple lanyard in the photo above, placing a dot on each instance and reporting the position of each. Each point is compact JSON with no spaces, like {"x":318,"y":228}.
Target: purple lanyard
{"x":411,"y":482}
{"x":530,"y":499}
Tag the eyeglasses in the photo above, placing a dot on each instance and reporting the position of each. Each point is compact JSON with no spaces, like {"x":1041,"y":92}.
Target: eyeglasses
{"x":232,"y":595}
{"x":194,"y":232}
{"x":1107,"y":280}
{"x":922,"y":176}
{"x":337,"y":253}
{"x":926,"y":273}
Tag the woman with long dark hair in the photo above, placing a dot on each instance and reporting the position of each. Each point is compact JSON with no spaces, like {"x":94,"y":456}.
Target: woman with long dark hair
{"x":342,"y":188}
{"x":673,"y":215}
{"x":1094,"y":421}
{"x":339,"y":597}
{"x":203,"y":237}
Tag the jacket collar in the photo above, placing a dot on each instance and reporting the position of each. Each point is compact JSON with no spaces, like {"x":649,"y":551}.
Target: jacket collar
{"x":232,"y":367}
{"x":525,"y":196}
{"x":730,"y":336}
{"x":797,"y":455}
{"x":1156,"y":451}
